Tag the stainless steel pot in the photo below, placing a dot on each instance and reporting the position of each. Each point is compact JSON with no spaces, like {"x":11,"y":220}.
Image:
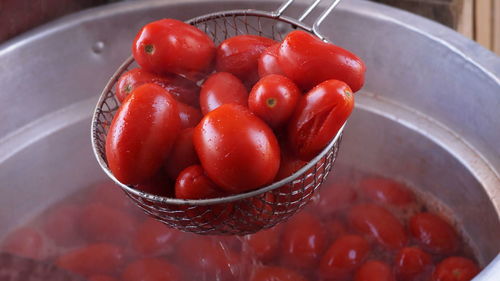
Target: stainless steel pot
{"x":429,"y":114}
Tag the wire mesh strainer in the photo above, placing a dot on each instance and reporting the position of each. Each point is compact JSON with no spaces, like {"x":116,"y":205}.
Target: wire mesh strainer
{"x":242,"y":213}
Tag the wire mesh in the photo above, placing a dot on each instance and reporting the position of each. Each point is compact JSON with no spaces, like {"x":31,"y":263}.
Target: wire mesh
{"x":235,"y":215}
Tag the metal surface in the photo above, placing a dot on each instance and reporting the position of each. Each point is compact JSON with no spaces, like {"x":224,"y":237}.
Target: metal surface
{"x":236,"y":214}
{"x":431,"y":121}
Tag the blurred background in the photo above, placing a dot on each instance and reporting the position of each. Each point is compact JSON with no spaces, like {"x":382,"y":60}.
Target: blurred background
{"x":476,"y":19}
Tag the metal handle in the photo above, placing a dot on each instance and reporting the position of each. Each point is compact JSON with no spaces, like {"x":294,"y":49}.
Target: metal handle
{"x":309,"y":9}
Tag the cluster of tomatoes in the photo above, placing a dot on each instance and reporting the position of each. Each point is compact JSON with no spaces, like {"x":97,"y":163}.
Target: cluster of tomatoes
{"x":373,"y":230}
{"x":214,"y":120}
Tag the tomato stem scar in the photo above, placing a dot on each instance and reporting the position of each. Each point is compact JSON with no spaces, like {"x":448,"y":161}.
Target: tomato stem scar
{"x":271,"y":102}
{"x":150,"y":49}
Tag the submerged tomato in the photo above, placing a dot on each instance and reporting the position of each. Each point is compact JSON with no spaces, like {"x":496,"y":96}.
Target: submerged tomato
{"x":343,"y":256}
{"x":154,"y":238}
{"x":434,"y":233}
{"x":61,"y":224}
{"x":374,"y":271}
{"x":172,"y":46}
{"x":268,"y":61}
{"x":239,"y":55}
{"x":265,"y":243}
{"x":25,"y":242}
{"x":221,"y":88}
{"x":378,"y":222}
{"x":275,"y":273}
{"x":308,"y":61}
{"x":192,"y":183}
{"x":273,"y":98}
{"x":386,"y":191}
{"x":411,"y":262}
{"x":237,"y":150}
{"x":455,"y":269}
{"x":304,"y":240}
{"x":318,"y":117}
{"x":183,"y":154}
{"x":152,"y":269}
{"x":183,"y":90}
{"x":142,"y":133}
{"x":93,"y":259}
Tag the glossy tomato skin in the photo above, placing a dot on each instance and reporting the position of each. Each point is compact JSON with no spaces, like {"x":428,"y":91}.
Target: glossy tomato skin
{"x":265,"y":243}
{"x":374,"y":270}
{"x":188,"y":115}
{"x":183,"y":90}
{"x":268,"y":61}
{"x":303,"y":242}
{"x":275,"y":273}
{"x":152,"y":269}
{"x":308,"y":61}
{"x":192,"y":183}
{"x":410,"y":262}
{"x":387,"y":191}
{"x":209,"y":260}
{"x":239,"y":55}
{"x":172,"y":46}
{"x":378,"y":222}
{"x":183,"y":154}
{"x":93,"y":259}
{"x":154,"y":238}
{"x":273,"y":98}
{"x":100,"y":223}
{"x":237,"y":150}
{"x":434,"y":233}
{"x":222,"y":88}
{"x":25,"y":242}
{"x":318,"y":117}
{"x":455,"y":269}
{"x":149,"y":113}
{"x":343,"y":257}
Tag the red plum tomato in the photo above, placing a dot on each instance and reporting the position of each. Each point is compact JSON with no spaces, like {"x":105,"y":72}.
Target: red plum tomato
{"x":275,"y":273}
{"x":434,"y":233}
{"x":410,"y":262}
{"x":25,"y":242}
{"x":172,"y":46}
{"x":142,"y":133}
{"x":221,"y":88}
{"x":386,"y":191}
{"x":308,"y":61}
{"x":192,"y":183}
{"x":183,"y":154}
{"x":318,"y":117}
{"x":154,"y":238}
{"x":237,"y":150}
{"x":273,"y":98}
{"x":93,"y":259}
{"x":268,"y":61}
{"x":374,"y":270}
{"x":152,"y":269}
{"x":455,"y":269}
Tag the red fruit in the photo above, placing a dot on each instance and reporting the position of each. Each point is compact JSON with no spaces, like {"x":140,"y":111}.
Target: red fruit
{"x":374,"y":271}
{"x":303,"y":242}
{"x":61,"y":224}
{"x":334,"y":197}
{"x":309,"y":61}
{"x":455,"y":269}
{"x":172,"y":46}
{"x":378,"y":222}
{"x":273,"y":98}
{"x":274,"y":273}
{"x":239,"y":55}
{"x":25,"y":242}
{"x":222,"y":88}
{"x":188,"y":115}
{"x":268,"y":61}
{"x":100,"y":223}
{"x":182,"y":89}
{"x":111,"y":195}
{"x":343,"y":257}
{"x":411,"y":262}
{"x":93,"y":259}
{"x":434,"y":233}
{"x":154,"y":238}
{"x":318,"y":117}
{"x":183,"y":154}
{"x":102,"y":278}
{"x":265,"y":243}
{"x":152,"y":269}
{"x":386,"y":191}
{"x":237,"y":150}
{"x":192,"y":183}
{"x":141,"y":134}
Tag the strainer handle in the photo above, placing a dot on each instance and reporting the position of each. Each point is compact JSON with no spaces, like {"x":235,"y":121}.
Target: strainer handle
{"x":309,"y":9}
